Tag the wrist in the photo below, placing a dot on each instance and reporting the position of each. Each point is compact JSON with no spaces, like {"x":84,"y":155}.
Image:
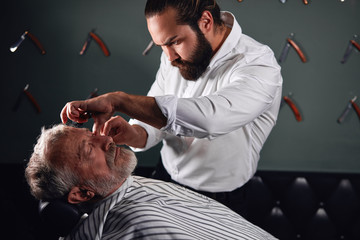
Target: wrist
{"x":141,"y":137}
{"x":117,"y":100}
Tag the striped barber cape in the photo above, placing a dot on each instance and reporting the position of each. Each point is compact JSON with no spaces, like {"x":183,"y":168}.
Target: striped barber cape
{"x":144,"y":208}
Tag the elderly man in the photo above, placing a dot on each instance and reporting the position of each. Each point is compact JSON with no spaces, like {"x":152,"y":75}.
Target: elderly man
{"x":83,"y":168}
{"x":213,"y":104}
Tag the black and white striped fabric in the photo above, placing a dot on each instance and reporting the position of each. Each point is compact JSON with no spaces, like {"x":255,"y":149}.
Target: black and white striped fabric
{"x":144,"y":208}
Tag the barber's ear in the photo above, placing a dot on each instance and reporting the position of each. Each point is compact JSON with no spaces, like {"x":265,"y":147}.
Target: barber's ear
{"x":206,"y":22}
{"x":78,"y":195}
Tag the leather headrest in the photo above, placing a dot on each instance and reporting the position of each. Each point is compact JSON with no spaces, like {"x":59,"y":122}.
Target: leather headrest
{"x":59,"y":217}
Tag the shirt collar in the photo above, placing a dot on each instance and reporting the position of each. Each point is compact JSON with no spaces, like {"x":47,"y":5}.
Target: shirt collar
{"x":122,"y":189}
{"x":231,"y":40}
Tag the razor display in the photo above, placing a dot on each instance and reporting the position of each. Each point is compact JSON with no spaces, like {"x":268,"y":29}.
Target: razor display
{"x":86,"y":45}
{"x":93,"y":94}
{"x":351,"y":45}
{"x":98,"y":40}
{"x":291,"y":43}
{"x":293,"y":107}
{"x":29,"y":96}
{"x":148,"y":48}
{"x":350,"y":105}
{"x":34,"y":39}
{"x":306,"y":2}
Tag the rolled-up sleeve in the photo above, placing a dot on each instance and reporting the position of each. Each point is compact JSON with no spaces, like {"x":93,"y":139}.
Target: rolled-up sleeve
{"x":226,"y":110}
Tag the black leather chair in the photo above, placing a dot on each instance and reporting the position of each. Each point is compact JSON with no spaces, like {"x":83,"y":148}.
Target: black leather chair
{"x":297,"y":205}
{"x":59,"y":217}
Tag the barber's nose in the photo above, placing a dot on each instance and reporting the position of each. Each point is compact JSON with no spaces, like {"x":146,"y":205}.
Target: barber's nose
{"x":170,"y":53}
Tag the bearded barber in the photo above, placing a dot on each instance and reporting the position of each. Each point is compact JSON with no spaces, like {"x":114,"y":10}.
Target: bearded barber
{"x":213,"y":104}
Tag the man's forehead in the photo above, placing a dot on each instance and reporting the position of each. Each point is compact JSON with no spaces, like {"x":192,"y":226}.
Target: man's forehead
{"x":80,"y":131}
{"x":162,"y":26}
{"x":77,"y":136}
{"x":65,"y":150}
{"x":74,"y":144}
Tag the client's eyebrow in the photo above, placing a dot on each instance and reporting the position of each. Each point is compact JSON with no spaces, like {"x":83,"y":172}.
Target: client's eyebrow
{"x":81,"y":148}
{"x":81,"y":152}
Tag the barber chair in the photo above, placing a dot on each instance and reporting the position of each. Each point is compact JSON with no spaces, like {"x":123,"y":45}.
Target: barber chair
{"x":59,"y":217}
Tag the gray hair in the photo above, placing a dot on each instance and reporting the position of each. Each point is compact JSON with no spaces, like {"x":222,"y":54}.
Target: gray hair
{"x":48,"y":180}
{"x":50,"y":176}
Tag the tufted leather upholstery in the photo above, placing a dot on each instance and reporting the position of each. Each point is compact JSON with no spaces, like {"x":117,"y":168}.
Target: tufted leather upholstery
{"x":303,"y":205}
{"x":294,"y":205}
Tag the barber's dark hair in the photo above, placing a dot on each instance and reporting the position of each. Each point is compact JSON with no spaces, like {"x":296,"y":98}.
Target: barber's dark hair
{"x":188,"y":11}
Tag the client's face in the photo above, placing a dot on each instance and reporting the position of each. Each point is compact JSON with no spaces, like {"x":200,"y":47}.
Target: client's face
{"x":99,"y":159}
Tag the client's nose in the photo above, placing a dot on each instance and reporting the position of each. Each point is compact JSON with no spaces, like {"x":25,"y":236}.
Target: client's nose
{"x":104,"y":141}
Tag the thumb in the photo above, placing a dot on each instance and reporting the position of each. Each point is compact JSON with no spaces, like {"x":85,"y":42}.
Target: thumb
{"x":119,"y":139}
{"x":105,"y":130}
{"x":96,"y":129}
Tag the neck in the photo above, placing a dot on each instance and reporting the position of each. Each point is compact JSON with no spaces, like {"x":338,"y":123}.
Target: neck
{"x":116,"y":188}
{"x":221,"y":34}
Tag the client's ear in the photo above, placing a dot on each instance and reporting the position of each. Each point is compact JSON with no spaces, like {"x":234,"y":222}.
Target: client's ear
{"x":78,"y":195}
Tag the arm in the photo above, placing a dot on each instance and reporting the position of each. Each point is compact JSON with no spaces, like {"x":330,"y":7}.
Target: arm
{"x":103,"y":107}
{"x":250,"y":93}
{"x":142,"y":108}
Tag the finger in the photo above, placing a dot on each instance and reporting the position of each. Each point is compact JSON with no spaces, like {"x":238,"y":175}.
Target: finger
{"x":68,"y":114}
{"x":106,"y":128}
{"x":118,"y":139}
{"x":73,"y":111}
{"x":109,"y":126}
{"x":63,"y":115}
{"x":96,"y":129}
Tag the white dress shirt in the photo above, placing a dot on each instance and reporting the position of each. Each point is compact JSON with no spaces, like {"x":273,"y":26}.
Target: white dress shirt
{"x":217,"y":124}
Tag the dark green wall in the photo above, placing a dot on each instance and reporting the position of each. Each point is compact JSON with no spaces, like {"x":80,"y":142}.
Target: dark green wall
{"x":321,"y":87}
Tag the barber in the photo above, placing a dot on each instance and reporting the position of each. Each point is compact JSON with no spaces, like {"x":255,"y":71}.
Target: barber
{"x":213,"y":104}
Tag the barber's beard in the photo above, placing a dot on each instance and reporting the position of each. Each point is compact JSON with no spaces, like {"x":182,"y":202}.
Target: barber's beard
{"x":119,"y":172}
{"x":200,"y":59}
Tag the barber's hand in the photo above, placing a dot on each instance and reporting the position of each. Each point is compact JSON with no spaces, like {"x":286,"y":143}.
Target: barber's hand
{"x":124,"y":133}
{"x":100,"y":108}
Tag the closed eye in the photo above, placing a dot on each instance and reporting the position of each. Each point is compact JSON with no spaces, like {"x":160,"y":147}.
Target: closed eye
{"x":90,"y":149}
